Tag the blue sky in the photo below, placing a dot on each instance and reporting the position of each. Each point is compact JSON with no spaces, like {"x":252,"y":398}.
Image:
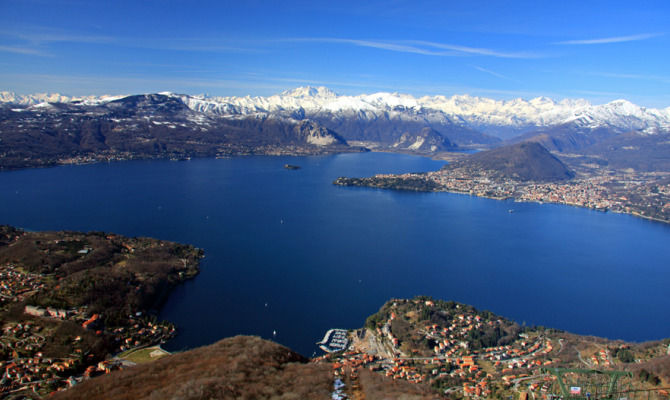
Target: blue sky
{"x":598,"y":50}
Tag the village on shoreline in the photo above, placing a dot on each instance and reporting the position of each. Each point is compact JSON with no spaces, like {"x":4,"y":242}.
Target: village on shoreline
{"x":645,"y":195}
{"x":465,"y":353}
{"x":50,"y":348}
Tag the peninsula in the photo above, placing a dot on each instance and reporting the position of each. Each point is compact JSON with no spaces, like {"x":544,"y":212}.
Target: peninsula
{"x":462,"y":352}
{"x":69,"y":300}
{"x":529,"y":172}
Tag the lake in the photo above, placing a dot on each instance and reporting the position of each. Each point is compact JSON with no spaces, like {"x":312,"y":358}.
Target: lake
{"x":289,"y":253}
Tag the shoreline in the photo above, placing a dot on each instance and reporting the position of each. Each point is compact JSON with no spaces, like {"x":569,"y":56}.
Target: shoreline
{"x":518,"y":200}
{"x":122,"y":157}
{"x":442,"y":156}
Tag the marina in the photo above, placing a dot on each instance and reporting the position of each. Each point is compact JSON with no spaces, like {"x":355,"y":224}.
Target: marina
{"x":334,"y":340}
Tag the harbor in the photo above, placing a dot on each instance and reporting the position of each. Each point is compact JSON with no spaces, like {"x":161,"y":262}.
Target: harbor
{"x":334,"y":340}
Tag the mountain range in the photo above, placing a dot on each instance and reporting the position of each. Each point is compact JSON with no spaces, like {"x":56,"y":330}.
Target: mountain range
{"x":392,"y":121}
{"x":147,"y":126}
{"x":499,"y":118}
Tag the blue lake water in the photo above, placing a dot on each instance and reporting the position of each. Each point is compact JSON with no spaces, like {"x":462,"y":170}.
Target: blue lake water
{"x":287,"y":251}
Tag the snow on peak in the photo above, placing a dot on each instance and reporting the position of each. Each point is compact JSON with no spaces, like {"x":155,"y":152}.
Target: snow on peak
{"x":309,"y":91}
{"x":477,"y":112}
{"x":38,"y":98}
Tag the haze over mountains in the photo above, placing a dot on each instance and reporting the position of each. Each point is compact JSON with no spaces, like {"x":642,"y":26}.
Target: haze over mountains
{"x":393,"y":121}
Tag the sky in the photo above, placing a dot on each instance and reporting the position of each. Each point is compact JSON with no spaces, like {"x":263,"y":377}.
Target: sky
{"x":597,"y":50}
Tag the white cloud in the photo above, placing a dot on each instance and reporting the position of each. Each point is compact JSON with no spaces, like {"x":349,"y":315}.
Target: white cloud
{"x":22,"y":50}
{"x":419,"y":47}
{"x":488,"y":71}
{"x":617,"y":39}
{"x":476,"y":50}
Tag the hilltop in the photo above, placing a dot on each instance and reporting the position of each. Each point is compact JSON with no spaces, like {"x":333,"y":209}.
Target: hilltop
{"x":526,"y":161}
{"x":527,"y":171}
{"x":241,"y":367}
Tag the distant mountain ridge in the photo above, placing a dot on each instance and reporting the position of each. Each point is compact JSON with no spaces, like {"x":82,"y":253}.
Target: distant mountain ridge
{"x":477,"y":113}
{"x":473,"y":112}
{"x":147,"y":126}
{"x":387,"y":121}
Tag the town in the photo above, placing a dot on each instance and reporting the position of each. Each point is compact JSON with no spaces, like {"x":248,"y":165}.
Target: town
{"x":468,"y":354}
{"x":25,"y":365}
{"x":49,"y":345}
{"x":642,"y":194}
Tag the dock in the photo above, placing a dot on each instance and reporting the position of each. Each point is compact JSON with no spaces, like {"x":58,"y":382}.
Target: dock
{"x":334,"y":340}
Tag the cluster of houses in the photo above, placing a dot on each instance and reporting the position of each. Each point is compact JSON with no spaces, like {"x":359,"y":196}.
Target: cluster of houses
{"x":588,"y":192}
{"x":142,"y":331}
{"x":453,"y":357}
{"x":15,"y":285}
{"x":452,"y":340}
{"x":42,"y":375}
{"x":350,"y":362}
{"x":25,"y":368}
{"x":607,"y":190}
{"x":24,"y":365}
{"x":601,"y":358}
{"x":477,"y":184}
{"x":405,"y":369}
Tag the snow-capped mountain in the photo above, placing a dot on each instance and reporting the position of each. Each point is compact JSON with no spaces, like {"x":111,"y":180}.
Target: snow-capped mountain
{"x":147,"y":126}
{"x":483,"y":114}
{"x":386,"y":118}
{"x":41,"y":98}
{"x":479,"y":113}
{"x":45,"y":128}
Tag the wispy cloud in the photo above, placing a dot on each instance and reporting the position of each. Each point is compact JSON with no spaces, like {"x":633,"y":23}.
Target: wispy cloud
{"x":392,"y":46}
{"x":42,"y":35}
{"x":488,"y":71}
{"x":465,"y":50}
{"x":36,"y":40}
{"x":23,"y":50}
{"x":419,"y":47}
{"x":63,"y":37}
{"x":174,"y":45}
{"x":616,"y":39}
